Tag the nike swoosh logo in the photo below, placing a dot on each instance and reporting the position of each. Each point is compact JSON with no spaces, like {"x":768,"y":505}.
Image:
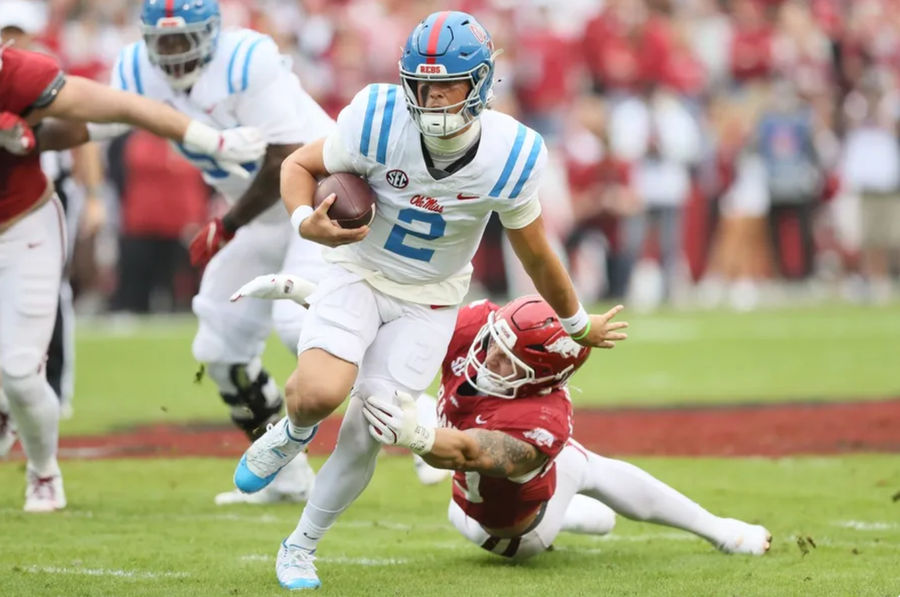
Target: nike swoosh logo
{"x":33,"y":245}
{"x":463,"y":196}
{"x":279,"y":453}
{"x":310,"y":538}
{"x":479,"y":420}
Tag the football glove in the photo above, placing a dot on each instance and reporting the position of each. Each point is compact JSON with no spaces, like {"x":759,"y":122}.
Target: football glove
{"x":396,"y":423}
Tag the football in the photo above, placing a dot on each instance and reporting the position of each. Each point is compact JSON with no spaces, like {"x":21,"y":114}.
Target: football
{"x":354,"y":205}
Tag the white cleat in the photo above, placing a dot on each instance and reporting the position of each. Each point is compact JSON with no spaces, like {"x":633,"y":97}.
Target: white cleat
{"x":295,"y":568}
{"x":427,"y":474}
{"x":7,"y":433}
{"x":744,"y":538}
{"x":293,"y":484}
{"x":43,"y":494}
{"x":267,"y":455}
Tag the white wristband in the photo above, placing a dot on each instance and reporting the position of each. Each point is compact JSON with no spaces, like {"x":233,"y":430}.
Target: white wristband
{"x":300,"y":214}
{"x":577,"y":322}
{"x":423,"y":440}
{"x":201,"y":137}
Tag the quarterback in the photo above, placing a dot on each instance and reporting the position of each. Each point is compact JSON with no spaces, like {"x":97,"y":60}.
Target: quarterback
{"x":506,"y":422}
{"x":235,"y":78}
{"x":384,"y":313}
{"x":32,"y":235}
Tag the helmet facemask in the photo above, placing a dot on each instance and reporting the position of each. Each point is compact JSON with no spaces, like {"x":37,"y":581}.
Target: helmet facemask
{"x":445,"y":121}
{"x":181,"y":50}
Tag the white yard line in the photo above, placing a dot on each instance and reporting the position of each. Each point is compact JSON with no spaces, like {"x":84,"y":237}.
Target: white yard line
{"x":860,"y":525}
{"x":342,"y":560}
{"x":139,"y":574}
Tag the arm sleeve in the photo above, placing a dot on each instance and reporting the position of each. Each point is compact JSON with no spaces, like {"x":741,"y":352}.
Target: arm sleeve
{"x":341,"y":152}
{"x":521,"y":210}
{"x":271,"y":99}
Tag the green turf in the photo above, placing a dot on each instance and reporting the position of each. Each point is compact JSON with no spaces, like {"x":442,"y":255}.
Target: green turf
{"x":152,"y":522}
{"x":144,"y":371}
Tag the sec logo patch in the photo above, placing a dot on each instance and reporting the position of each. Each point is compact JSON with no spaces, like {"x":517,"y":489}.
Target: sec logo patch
{"x":397,"y":179}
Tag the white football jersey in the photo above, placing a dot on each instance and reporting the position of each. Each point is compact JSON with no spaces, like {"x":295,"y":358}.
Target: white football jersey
{"x":426,"y":231}
{"x":247,"y":83}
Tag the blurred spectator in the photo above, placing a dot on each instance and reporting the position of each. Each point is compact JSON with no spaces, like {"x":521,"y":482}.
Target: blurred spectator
{"x":164,"y":200}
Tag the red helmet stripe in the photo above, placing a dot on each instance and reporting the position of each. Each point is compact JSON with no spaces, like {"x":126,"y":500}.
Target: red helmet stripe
{"x":170,"y":8}
{"x":435,"y":35}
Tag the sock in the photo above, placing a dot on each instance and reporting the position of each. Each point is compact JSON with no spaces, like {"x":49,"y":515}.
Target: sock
{"x":638,"y":495}
{"x":588,"y":516}
{"x":35,"y":409}
{"x":299,"y":433}
{"x":308,"y":534}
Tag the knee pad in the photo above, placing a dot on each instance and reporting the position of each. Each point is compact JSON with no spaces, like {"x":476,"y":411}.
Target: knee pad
{"x":252,"y":394}
{"x":22,"y":389}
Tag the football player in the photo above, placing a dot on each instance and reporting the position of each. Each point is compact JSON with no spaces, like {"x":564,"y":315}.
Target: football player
{"x":231,"y":78}
{"x":32,"y":235}
{"x":381,"y":318}
{"x":506,"y":421}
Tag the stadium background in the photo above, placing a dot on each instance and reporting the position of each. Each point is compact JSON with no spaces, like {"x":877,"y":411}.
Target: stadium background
{"x":713,"y":167}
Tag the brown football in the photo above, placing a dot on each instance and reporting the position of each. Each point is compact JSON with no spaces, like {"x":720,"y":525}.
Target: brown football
{"x":354,"y":205}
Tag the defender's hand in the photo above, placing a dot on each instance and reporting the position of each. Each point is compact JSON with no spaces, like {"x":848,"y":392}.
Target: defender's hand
{"x":232,"y":148}
{"x":208,"y":241}
{"x":276,"y":286}
{"x":397,"y":423}
{"x":16,"y":136}
{"x":603,"y":332}
{"x":318,"y":227}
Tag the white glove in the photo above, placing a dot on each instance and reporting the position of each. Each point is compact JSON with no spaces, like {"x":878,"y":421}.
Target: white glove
{"x":276,"y":286}
{"x":396,"y":423}
{"x":230,"y":147}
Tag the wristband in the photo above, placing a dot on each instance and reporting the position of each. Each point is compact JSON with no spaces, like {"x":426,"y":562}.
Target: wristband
{"x":300,"y":214}
{"x":583,"y":335}
{"x":423,"y":440}
{"x":576,"y":322}
{"x":202,"y":137}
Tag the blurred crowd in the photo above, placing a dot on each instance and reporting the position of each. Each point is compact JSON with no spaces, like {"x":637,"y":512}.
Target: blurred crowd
{"x":702,"y":151}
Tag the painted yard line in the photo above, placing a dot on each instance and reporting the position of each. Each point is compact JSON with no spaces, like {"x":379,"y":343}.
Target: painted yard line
{"x":861,"y":525}
{"x":139,"y":574}
{"x":341,"y":560}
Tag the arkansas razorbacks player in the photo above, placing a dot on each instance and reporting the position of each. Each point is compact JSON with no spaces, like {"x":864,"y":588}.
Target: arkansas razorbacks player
{"x":32,"y":233}
{"x":506,"y":430}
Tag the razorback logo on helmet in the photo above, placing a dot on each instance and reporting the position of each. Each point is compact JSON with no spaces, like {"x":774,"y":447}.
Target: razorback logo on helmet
{"x":565,"y":346}
{"x":431,"y":69}
{"x":540,"y":436}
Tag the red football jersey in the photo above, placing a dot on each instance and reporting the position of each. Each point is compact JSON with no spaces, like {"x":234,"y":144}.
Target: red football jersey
{"x":543,"y":421}
{"x":28,"y":80}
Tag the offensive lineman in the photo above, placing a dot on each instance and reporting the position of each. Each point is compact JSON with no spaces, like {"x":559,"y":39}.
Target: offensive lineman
{"x":387,"y":308}
{"x":32,"y":234}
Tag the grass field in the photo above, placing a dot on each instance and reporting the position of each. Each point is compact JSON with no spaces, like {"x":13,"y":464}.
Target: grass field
{"x":143,"y":371}
{"x":148,"y":528}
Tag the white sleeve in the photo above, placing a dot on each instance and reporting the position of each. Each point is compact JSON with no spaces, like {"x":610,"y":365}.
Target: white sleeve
{"x":523,"y":206}
{"x":271,"y":98}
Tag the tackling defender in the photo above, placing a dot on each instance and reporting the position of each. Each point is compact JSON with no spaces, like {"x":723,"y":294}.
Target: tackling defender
{"x":32,"y":235}
{"x":506,"y":421}
{"x":381,"y":319}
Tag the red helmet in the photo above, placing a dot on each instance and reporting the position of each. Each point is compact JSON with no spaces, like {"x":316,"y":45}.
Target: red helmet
{"x":543,"y":355}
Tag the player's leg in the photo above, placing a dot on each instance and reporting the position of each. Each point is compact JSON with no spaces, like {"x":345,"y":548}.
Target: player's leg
{"x":7,"y":426}
{"x":30,"y":270}
{"x":405,"y":355}
{"x":638,"y":495}
{"x":426,"y":406}
{"x":61,"y":352}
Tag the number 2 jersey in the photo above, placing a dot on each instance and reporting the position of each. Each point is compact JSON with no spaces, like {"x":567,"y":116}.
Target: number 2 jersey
{"x":543,"y":421}
{"x":426,"y":231}
{"x":247,"y":83}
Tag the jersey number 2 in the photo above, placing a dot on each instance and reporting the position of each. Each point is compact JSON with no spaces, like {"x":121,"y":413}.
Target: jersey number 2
{"x":395,"y":244}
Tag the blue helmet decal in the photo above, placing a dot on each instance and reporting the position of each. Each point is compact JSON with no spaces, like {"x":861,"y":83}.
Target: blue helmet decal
{"x":448,"y":46}
{"x":181,"y":37}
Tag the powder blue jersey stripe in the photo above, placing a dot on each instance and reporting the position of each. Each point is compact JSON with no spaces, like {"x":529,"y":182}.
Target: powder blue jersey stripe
{"x":231,"y":64}
{"x":136,"y":69}
{"x":246,"y":71}
{"x":510,"y":162}
{"x":123,"y":84}
{"x":370,"y":116}
{"x":386,"y":120}
{"x":529,"y":166}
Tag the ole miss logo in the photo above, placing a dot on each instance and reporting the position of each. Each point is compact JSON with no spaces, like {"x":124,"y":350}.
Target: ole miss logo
{"x":397,"y":179}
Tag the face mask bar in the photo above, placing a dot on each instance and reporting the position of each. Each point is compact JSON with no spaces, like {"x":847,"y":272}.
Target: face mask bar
{"x":486,"y":380}
{"x":182,"y":68}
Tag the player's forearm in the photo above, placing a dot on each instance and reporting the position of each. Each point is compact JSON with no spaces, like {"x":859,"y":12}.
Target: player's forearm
{"x":453,"y":450}
{"x":54,"y":134}
{"x":544,"y":268}
{"x":298,"y":183}
{"x":263,"y":192}
{"x":85,"y":100}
